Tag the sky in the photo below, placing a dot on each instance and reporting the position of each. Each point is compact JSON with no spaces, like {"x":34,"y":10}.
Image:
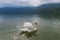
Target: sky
{"x":28,"y":2}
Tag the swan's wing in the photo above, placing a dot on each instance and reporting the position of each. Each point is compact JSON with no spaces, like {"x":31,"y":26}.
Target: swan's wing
{"x":28,"y":24}
{"x":25,"y":29}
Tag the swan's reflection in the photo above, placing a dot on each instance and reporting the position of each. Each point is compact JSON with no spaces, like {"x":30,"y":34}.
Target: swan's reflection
{"x":29,"y":34}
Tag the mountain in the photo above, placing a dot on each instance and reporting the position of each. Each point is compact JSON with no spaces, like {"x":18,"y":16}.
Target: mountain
{"x":50,"y":5}
{"x":17,"y":10}
{"x":11,"y":9}
{"x":51,"y":10}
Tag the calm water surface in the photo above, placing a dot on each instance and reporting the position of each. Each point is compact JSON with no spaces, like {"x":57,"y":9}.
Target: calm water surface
{"x":47,"y":29}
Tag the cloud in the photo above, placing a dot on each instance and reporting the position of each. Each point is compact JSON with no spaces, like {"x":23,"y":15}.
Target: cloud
{"x":28,"y":2}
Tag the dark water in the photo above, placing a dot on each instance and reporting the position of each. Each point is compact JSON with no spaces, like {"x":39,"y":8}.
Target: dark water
{"x":47,"y":29}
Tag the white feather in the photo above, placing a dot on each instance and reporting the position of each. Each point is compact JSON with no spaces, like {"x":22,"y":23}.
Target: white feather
{"x":28,"y":27}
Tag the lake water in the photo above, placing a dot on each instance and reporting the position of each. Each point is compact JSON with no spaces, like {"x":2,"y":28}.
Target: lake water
{"x":48,"y":29}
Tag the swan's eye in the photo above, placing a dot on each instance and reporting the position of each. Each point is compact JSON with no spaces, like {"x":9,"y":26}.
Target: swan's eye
{"x":35,"y":22}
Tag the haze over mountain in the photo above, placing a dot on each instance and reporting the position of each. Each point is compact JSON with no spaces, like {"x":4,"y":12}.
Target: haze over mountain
{"x":8,"y":5}
{"x":10,"y":9}
{"x":51,"y":10}
{"x":46,"y":10}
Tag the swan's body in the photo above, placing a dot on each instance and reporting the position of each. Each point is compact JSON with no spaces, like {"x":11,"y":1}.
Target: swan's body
{"x":29,"y":27}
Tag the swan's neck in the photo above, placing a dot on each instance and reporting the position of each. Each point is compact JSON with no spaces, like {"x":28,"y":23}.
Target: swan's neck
{"x":35,"y":26}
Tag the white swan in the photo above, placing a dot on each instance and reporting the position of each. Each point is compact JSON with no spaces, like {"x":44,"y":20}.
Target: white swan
{"x":29,"y":26}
